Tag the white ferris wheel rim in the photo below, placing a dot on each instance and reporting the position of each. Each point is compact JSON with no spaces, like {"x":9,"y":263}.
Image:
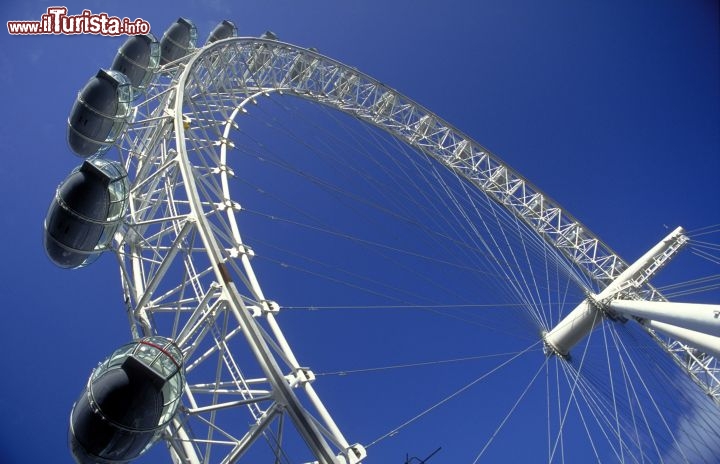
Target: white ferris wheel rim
{"x":421,"y":130}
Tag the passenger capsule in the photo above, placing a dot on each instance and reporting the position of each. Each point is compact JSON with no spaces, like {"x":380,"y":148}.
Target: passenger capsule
{"x":222,"y":31}
{"x":263,"y":54}
{"x":302,"y":64}
{"x":137,"y":59}
{"x":85,"y":213}
{"x":177,"y":41}
{"x":129,"y":399}
{"x":99,"y":114}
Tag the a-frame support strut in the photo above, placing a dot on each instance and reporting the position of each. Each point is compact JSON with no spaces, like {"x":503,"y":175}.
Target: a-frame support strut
{"x":697,"y":325}
{"x":694,"y":325}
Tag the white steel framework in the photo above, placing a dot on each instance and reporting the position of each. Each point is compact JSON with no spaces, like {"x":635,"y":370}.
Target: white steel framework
{"x":187,"y":273}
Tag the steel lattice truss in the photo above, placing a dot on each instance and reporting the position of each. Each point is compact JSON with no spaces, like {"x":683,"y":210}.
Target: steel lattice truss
{"x":186,"y":272}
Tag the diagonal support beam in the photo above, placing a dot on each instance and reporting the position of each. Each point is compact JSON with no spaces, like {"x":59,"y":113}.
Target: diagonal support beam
{"x":704,"y":318}
{"x":708,"y":344}
{"x":165,"y":265}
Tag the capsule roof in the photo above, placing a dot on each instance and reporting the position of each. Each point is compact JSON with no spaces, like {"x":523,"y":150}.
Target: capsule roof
{"x":223,"y":30}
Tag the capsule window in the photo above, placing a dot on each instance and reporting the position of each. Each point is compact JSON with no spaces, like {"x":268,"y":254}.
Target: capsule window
{"x":124,"y":93}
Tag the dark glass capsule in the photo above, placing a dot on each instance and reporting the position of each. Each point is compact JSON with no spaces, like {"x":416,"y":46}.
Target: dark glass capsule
{"x":128,"y":401}
{"x":269,"y":35}
{"x":177,"y":41}
{"x":263,"y":53}
{"x":85,"y":213}
{"x":99,"y":114}
{"x":222,"y":31}
{"x":302,"y":64}
{"x":137,"y":59}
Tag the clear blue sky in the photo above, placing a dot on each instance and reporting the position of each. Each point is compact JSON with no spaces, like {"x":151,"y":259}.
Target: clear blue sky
{"x":612,"y":108}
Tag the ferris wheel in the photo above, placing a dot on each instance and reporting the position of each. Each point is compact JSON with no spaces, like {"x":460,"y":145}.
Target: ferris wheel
{"x":260,"y":182}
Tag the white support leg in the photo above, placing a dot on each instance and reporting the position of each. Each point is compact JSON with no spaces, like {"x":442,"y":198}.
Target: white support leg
{"x":704,"y":318}
{"x":706,"y":343}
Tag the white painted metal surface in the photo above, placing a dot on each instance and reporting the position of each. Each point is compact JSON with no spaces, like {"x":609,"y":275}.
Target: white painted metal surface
{"x":704,"y":318}
{"x":589,"y":313}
